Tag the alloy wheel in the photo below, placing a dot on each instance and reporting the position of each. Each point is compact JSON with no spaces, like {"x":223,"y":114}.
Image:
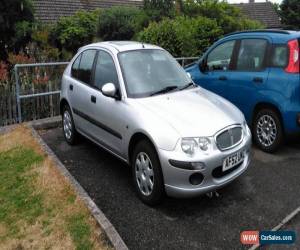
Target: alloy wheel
{"x":67,"y":123}
{"x":144,"y":173}
{"x":266,"y":130}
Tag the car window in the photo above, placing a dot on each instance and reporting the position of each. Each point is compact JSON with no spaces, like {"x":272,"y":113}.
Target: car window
{"x":105,"y":71}
{"x":279,"y":56}
{"x":251,"y":55}
{"x":75,"y":67}
{"x":86,"y":66}
{"x":220,"y":57}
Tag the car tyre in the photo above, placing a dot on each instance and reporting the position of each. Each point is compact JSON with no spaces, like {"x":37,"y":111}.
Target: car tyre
{"x":268,"y":130}
{"x":147,"y":173}
{"x":69,"y":130}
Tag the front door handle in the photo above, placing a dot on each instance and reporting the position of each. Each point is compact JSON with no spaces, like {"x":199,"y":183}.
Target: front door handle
{"x":223,"y":78}
{"x":71,"y":87}
{"x":258,"y":80}
{"x":93,"y":99}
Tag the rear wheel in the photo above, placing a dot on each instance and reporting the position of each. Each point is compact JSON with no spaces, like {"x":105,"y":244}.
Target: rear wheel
{"x":70,"y":133}
{"x":147,"y":174}
{"x":268,"y":131}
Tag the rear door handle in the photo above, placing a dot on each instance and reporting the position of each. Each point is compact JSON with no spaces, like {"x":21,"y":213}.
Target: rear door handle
{"x":223,"y":78}
{"x":71,"y":87}
{"x":93,"y":99}
{"x":258,"y":80}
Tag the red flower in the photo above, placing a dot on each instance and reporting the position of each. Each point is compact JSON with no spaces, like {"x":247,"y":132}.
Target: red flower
{"x":3,"y":71}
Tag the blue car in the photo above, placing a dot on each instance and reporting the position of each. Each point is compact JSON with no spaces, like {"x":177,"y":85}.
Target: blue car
{"x":258,"y":71}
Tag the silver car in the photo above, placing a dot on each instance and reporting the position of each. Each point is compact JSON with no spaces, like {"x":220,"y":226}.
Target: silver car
{"x":136,"y":101}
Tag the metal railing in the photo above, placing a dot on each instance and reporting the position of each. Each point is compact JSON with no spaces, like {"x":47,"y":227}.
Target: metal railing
{"x":20,"y":96}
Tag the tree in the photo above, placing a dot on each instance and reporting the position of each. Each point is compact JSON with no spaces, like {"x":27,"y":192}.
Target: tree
{"x":158,"y":9}
{"x":290,"y":13}
{"x":16,"y":17}
{"x":228,"y":17}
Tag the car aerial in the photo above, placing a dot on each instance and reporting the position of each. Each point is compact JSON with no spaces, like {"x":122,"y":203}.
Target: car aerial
{"x":138,"y":103}
{"x":258,"y":71}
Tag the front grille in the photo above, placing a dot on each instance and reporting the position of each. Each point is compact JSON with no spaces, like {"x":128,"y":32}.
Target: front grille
{"x":229,"y":138}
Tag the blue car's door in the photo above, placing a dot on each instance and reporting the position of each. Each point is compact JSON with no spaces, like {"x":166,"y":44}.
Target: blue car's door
{"x":250,"y":74}
{"x":217,"y":70}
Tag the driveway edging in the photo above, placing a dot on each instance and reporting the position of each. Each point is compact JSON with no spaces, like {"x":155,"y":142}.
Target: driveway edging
{"x":99,"y":216}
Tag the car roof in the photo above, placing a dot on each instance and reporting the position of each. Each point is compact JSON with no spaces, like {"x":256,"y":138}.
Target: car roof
{"x":278,"y":36}
{"x":121,"y":46}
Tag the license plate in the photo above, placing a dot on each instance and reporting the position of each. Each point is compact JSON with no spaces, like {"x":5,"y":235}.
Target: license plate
{"x":233,"y":160}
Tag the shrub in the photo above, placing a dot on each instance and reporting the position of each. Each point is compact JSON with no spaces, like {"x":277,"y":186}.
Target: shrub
{"x":227,"y":16}
{"x":72,"y":32}
{"x":121,"y":23}
{"x":182,"y":36}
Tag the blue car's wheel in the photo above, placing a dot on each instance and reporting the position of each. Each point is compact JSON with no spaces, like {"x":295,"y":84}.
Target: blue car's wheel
{"x":267,"y":130}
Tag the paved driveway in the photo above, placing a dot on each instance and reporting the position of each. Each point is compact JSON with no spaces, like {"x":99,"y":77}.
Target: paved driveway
{"x":258,"y":200}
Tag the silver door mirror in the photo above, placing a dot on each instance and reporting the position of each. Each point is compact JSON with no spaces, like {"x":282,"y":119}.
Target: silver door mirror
{"x":109,"y":90}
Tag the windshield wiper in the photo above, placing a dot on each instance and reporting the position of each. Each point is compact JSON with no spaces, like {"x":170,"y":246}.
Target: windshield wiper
{"x":164,"y":90}
{"x":188,"y":85}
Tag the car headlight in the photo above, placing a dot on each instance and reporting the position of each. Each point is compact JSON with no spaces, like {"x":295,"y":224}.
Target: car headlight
{"x":188,"y":145}
{"x":191,"y":145}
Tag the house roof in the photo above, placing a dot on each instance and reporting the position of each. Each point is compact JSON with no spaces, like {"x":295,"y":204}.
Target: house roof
{"x":50,"y":11}
{"x":263,"y":12}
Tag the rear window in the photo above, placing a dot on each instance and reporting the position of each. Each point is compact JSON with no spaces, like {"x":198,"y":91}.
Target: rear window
{"x":279,"y":57}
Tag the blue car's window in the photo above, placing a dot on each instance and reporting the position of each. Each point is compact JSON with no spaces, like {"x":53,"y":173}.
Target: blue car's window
{"x":251,"y":55}
{"x":220,"y":57}
{"x":105,"y":71}
{"x":279,"y":56}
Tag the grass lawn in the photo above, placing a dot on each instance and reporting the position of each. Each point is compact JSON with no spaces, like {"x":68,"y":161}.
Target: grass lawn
{"x":38,"y":208}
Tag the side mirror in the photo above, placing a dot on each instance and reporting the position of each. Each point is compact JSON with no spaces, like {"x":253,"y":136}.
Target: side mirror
{"x":109,"y":90}
{"x":189,"y":75}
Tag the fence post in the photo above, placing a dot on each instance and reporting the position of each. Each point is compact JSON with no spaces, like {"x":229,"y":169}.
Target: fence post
{"x":18,"y":94}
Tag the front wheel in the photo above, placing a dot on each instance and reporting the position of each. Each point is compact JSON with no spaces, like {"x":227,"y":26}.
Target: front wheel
{"x":268,"y":131}
{"x":147,"y":174}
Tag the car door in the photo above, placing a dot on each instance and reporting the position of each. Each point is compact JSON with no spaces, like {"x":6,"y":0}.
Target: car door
{"x":251,"y":74}
{"x":218,"y":68}
{"x":80,"y":89}
{"x":109,"y":114}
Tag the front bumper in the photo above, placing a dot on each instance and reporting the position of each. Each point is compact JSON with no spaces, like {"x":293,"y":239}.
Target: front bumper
{"x":177,"y":180}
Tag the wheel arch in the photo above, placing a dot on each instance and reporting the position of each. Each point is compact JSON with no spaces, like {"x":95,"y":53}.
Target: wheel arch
{"x":62,"y":103}
{"x":136,"y":138}
{"x":266,"y":105}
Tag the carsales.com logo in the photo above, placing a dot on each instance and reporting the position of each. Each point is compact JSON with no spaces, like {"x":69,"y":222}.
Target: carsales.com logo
{"x":267,"y":237}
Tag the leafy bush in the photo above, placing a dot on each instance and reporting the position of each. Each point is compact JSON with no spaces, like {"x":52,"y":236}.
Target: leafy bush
{"x":72,"y":32}
{"x":121,"y":23}
{"x":228,"y":17}
{"x":182,"y":36}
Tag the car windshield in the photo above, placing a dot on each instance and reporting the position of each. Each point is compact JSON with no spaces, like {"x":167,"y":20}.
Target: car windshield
{"x":149,"y":72}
